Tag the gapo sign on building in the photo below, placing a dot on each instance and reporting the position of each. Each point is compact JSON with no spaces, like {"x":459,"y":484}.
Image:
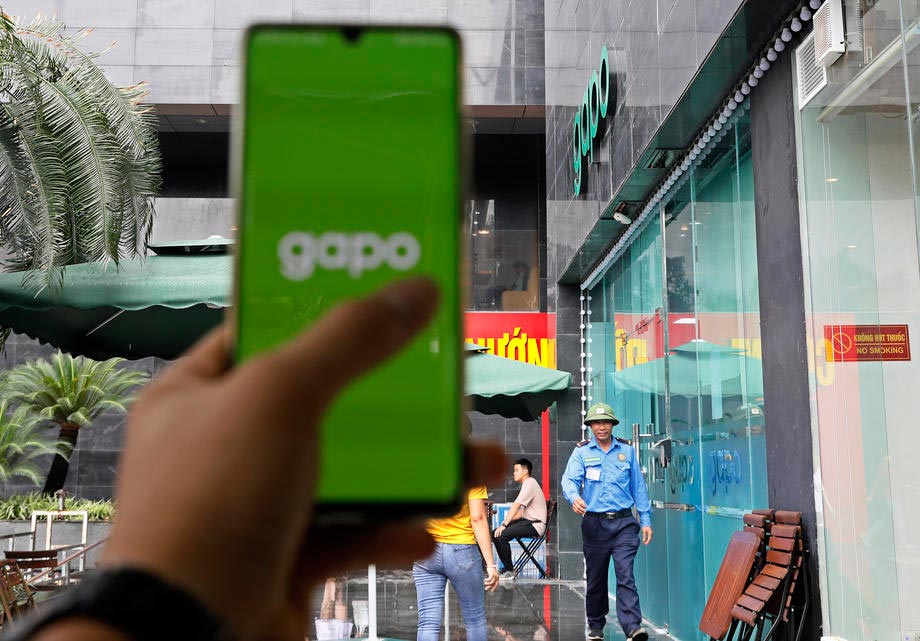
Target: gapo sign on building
{"x":590,"y":121}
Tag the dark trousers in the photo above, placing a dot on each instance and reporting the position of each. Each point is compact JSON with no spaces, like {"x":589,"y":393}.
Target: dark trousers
{"x":518,"y":528}
{"x":603,"y":538}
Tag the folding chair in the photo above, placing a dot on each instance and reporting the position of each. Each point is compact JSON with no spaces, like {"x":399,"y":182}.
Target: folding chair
{"x":16,"y":596}
{"x":759,"y":524}
{"x":532,"y":545}
{"x":771,"y":597}
{"x":733,"y":576}
{"x":32,"y":562}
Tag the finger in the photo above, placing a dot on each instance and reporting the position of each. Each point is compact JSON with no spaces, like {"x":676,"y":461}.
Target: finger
{"x":394,"y":545}
{"x":485,"y":464}
{"x":208,"y":358}
{"x":349,"y":340}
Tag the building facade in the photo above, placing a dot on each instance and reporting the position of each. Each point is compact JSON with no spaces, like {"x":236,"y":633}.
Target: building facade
{"x":714,"y":232}
{"x":732,"y":256}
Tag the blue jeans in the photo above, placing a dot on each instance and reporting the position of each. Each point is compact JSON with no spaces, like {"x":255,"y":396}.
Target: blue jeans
{"x":462,"y":566}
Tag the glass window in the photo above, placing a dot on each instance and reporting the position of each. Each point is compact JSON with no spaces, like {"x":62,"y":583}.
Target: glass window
{"x":859,"y":211}
{"x":504,"y":245}
{"x":675,"y":349}
{"x":506,"y":224}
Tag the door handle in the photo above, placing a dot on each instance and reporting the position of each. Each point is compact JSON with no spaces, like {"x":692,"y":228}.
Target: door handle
{"x":680,"y":507}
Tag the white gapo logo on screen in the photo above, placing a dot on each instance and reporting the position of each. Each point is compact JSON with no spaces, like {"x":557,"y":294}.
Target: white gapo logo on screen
{"x":301,"y":252}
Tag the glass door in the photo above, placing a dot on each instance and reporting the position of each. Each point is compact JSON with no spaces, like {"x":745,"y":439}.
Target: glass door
{"x":683,"y":484}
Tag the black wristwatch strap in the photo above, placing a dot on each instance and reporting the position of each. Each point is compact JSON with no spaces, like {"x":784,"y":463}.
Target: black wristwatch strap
{"x":137,"y":603}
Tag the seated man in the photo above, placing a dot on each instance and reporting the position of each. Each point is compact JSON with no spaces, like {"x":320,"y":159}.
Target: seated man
{"x":525,"y":519}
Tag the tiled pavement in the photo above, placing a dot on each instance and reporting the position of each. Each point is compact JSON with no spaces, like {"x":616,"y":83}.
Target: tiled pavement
{"x":521,"y":610}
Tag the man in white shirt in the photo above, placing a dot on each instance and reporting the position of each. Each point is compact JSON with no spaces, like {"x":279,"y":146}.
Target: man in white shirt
{"x":525,"y":519}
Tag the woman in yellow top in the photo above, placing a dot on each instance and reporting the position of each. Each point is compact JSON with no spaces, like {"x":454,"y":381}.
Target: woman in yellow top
{"x":456,"y":558}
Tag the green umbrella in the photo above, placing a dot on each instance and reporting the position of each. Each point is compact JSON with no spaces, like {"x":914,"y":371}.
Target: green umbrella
{"x":154,"y":306}
{"x":510,"y":388}
{"x":695,"y":368}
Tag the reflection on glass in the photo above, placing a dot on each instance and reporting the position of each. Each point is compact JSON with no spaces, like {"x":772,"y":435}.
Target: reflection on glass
{"x":678,"y":344}
{"x":505,"y":266}
{"x":858,"y":177}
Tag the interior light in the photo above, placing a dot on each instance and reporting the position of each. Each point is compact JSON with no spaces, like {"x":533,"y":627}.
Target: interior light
{"x":814,"y":4}
{"x":832,"y":180}
{"x":786,"y":35}
{"x":685,"y":321}
{"x":483,"y":232}
{"x":851,"y":246}
{"x":764,"y":64}
{"x":805,"y":14}
{"x":779,"y":45}
{"x":684,"y":228}
{"x":795,"y":25}
{"x":771,"y":55}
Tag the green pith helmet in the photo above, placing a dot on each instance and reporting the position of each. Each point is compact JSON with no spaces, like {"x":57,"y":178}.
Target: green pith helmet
{"x":601,"y":412}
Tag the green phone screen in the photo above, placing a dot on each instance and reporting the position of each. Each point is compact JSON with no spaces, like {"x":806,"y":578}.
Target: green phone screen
{"x":349,"y":179}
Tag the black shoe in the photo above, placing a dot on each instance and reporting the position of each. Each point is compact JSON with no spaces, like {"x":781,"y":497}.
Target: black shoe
{"x":639,"y":634}
{"x":596,"y":634}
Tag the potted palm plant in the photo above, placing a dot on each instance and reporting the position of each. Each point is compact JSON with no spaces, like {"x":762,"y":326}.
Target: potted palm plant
{"x":70,"y":392}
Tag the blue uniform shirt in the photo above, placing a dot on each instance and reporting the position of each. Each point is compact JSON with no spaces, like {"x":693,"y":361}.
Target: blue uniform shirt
{"x":612,"y":480}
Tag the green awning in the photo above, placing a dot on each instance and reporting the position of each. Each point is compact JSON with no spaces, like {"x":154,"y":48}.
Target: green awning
{"x":160,"y":305}
{"x":155,"y":306}
{"x":510,"y":388}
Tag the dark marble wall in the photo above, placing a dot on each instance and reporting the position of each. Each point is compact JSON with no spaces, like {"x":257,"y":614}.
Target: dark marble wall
{"x":655,"y":49}
{"x":92,"y":471}
{"x":519,"y":438}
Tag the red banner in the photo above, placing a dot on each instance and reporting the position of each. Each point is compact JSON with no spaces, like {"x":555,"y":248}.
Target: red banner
{"x":853,"y":343}
{"x":529,"y":337}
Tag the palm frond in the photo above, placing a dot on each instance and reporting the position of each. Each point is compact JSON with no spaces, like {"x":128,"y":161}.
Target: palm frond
{"x":23,"y":438}
{"x":72,"y":391}
{"x":79,"y":158}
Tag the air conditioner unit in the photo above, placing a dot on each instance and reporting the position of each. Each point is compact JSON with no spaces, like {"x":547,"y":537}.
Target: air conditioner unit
{"x":811,"y":76}
{"x":830,"y":37}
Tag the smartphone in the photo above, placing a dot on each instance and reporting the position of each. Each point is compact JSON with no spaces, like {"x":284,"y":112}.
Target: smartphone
{"x":349,"y":175}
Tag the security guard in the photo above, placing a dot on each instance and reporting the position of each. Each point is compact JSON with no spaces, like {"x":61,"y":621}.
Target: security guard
{"x":603,"y":481}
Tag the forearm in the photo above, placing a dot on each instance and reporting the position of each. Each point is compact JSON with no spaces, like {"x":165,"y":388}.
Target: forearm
{"x":483,"y":539}
{"x":78,"y":629}
{"x":570,"y":490}
{"x":512,"y":513}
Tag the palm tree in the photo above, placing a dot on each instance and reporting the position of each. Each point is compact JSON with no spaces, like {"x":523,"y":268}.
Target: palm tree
{"x":71,"y":392}
{"x":22,"y":439}
{"x":79,"y":157}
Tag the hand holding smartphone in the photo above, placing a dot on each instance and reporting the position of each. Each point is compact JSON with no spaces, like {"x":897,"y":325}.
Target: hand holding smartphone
{"x":349,"y":177}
